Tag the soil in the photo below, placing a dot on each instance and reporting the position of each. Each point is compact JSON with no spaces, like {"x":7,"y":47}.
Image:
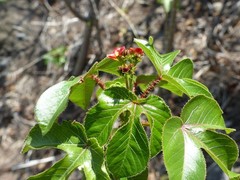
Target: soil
{"x":208,"y":32}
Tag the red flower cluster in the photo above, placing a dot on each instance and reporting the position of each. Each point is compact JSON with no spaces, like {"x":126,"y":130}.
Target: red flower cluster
{"x":122,"y":51}
{"x":117,"y":52}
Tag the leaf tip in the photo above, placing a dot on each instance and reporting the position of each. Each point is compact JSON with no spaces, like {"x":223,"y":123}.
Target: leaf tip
{"x":150,"y":40}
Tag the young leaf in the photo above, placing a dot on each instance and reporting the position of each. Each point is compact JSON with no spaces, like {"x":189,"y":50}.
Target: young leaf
{"x":52,"y":103}
{"x":81,"y":92}
{"x":109,"y":66}
{"x":176,"y":85}
{"x":182,"y":157}
{"x":128,"y":151}
{"x":161,"y":62}
{"x":187,"y":86}
{"x":100,"y":118}
{"x":80,"y":151}
{"x":183,"y":69}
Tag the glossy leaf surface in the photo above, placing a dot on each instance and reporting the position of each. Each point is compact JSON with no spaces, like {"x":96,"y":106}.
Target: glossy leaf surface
{"x":184,"y":136}
{"x":109,"y":66}
{"x":157,"y":112}
{"x":74,"y":143}
{"x":100,"y":118}
{"x":187,"y":86}
{"x":182,"y":157}
{"x":81,"y":92}
{"x":202,"y":110}
{"x":161,"y":62}
{"x":52,"y":103}
{"x":182,"y":69}
{"x":128,"y":151}
{"x":222,"y":149}
{"x":130,"y":138}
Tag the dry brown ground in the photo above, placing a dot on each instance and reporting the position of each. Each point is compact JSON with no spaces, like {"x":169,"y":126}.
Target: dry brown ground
{"x":207,"y":32}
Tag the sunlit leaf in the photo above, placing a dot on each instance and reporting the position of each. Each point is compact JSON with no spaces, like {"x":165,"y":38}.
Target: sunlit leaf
{"x":161,"y":62}
{"x":183,"y":69}
{"x":112,"y":103}
{"x":202,"y":110}
{"x":100,"y":118}
{"x":187,"y":86}
{"x":196,"y":129}
{"x":109,"y":66}
{"x":183,"y":159}
{"x":157,"y":112}
{"x":81,"y":92}
{"x":222,"y":149}
{"x":52,"y":103}
{"x":71,"y":138}
{"x":128,"y":151}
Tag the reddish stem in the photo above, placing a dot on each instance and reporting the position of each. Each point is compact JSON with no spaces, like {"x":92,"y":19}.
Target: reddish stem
{"x":99,"y":81}
{"x":151,"y":86}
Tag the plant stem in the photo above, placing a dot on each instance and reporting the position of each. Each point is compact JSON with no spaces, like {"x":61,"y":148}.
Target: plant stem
{"x":126,"y":80}
{"x":151,"y":86}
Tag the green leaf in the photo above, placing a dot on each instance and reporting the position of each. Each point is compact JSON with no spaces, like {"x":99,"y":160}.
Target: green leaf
{"x":81,"y":92}
{"x":202,"y":110}
{"x":100,"y":118}
{"x":97,"y":168}
{"x":63,"y":168}
{"x":55,"y":138}
{"x":167,"y":59}
{"x":145,"y":79}
{"x":183,"y":69}
{"x":52,"y":103}
{"x":182,"y":157}
{"x":56,"y":56}
{"x":221,"y":148}
{"x":161,"y":62}
{"x":128,"y":151}
{"x":167,"y":4}
{"x":115,"y":101}
{"x":157,"y":113}
{"x":187,"y":86}
{"x":109,"y":66}
{"x":71,"y":138}
{"x":142,"y":176}
{"x":184,"y":137}
{"x":119,"y":82}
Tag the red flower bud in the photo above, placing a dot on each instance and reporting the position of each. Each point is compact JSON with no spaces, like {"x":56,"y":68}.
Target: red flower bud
{"x":136,"y":51}
{"x":139,"y":51}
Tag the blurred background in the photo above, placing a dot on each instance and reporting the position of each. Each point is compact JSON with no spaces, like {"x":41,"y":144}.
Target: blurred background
{"x":43,"y":42}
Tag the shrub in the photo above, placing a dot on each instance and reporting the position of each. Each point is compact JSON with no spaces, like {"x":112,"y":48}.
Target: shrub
{"x":112,"y":143}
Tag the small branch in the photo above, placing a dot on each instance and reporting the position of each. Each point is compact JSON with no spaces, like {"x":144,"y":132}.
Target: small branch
{"x":76,"y":13}
{"x":123,"y":14}
{"x":33,"y":163}
{"x":145,"y":123}
{"x":151,"y":86}
{"x":169,"y":28}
